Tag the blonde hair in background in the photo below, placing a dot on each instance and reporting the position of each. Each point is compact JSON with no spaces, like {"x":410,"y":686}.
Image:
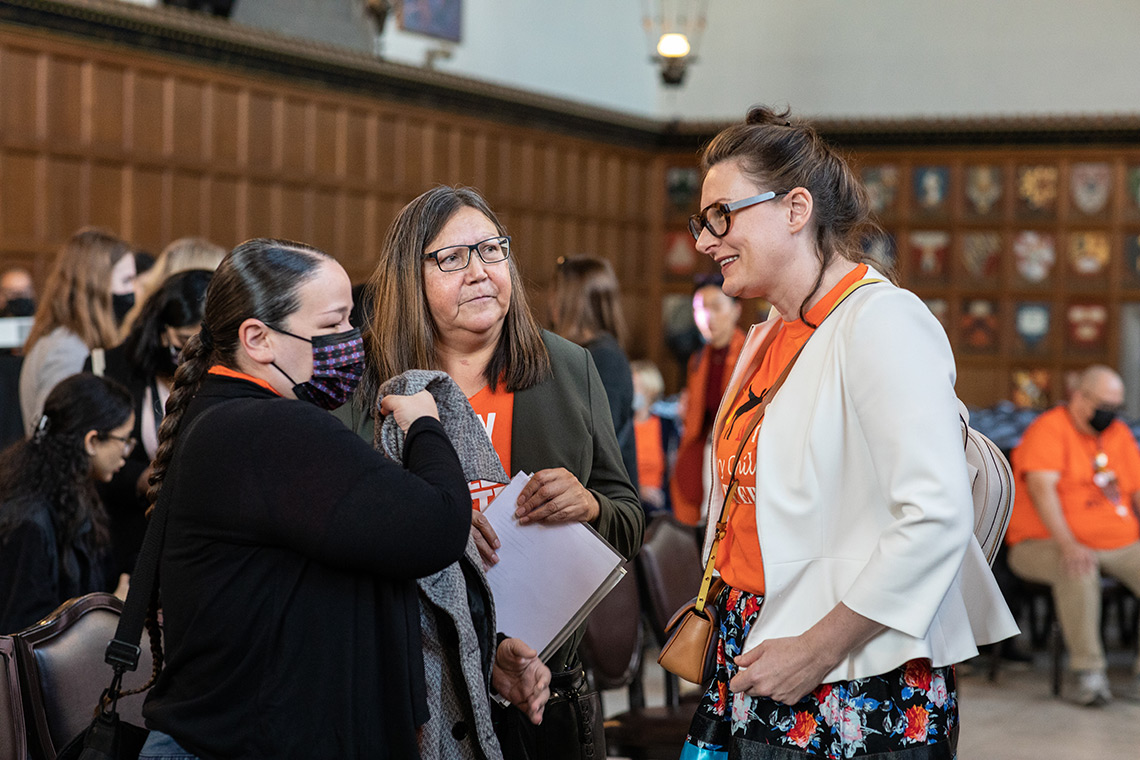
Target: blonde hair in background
{"x":78,"y":291}
{"x":650,"y":378}
{"x":182,"y":255}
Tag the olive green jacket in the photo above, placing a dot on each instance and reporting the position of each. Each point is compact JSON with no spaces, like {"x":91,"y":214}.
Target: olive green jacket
{"x":565,"y":421}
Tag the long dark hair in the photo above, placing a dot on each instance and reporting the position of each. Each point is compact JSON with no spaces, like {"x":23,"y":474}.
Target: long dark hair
{"x":778,"y":154}
{"x":259,"y":280}
{"x":179,"y":302}
{"x":54,"y":466}
{"x":402,"y":333}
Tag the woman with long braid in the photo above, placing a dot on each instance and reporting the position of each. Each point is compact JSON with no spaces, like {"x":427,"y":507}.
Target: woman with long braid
{"x":291,"y":620}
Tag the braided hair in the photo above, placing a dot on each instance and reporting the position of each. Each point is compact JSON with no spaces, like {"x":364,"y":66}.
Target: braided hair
{"x":260,"y":280}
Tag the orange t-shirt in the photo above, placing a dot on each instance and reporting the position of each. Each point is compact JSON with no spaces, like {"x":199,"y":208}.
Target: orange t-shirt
{"x":738,"y":557}
{"x":1053,"y":443}
{"x":495,"y":411}
{"x":650,"y":454}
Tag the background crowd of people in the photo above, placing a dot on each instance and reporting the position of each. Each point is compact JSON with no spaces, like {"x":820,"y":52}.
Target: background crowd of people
{"x":302,"y":553}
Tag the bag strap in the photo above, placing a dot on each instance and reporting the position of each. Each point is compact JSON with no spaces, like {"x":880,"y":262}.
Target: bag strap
{"x":98,"y":362}
{"x":722,"y":522}
{"x":123,"y":650}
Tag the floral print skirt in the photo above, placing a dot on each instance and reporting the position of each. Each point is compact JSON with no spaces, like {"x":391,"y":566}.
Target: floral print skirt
{"x":910,"y":713}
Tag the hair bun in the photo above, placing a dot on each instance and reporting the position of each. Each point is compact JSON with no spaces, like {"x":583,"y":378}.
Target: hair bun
{"x":765,"y":116}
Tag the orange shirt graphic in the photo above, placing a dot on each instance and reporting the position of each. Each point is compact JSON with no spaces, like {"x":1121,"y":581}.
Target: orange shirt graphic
{"x":495,"y":411}
{"x":1053,"y":443}
{"x":738,"y":557}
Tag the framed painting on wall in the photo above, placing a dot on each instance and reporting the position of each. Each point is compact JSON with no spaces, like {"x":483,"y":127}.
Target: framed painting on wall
{"x":983,"y":190}
{"x":433,"y":18}
{"x":1029,"y":388}
{"x":680,"y":254}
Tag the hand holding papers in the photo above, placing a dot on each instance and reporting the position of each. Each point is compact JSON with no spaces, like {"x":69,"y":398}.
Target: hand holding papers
{"x":549,"y":576}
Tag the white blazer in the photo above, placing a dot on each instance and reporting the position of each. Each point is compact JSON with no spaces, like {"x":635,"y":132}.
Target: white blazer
{"x":862,"y":494}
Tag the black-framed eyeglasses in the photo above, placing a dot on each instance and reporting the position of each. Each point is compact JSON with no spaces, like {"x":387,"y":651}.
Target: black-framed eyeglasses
{"x":717,"y":217}
{"x":128,"y":443}
{"x":456,"y":257}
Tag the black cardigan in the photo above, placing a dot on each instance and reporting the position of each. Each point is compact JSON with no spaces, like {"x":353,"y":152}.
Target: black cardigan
{"x":617,"y":378}
{"x":37,"y":574}
{"x":287,"y":580}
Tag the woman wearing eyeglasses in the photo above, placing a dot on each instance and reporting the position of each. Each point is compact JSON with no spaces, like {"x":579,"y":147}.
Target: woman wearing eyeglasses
{"x":449,"y":297}
{"x":853,"y":580}
{"x":53,"y":532}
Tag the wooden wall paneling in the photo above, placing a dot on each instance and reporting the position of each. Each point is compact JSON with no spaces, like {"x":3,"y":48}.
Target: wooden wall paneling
{"x":64,"y":101}
{"x":20,"y":210}
{"x":262,"y":137}
{"x":391,"y":139}
{"x":154,"y":148}
{"x":326,"y":216}
{"x":106,"y":108}
{"x":296,"y":218}
{"x":106,"y":194}
{"x":224,"y":214}
{"x":187,"y":119}
{"x":186,"y":206}
{"x":67,"y":194}
{"x":327,"y":142}
{"x":359,"y":146}
{"x":465,"y":157}
{"x":147,"y":202}
{"x":413,"y":153}
{"x":148,"y":128}
{"x":295,"y":158}
{"x":433,"y":159}
{"x":21,"y":102}
{"x":259,"y":215}
{"x":229,"y":142}
{"x":357,"y":240}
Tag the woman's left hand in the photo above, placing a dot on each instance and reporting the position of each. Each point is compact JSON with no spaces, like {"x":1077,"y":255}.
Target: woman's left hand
{"x":786,"y":670}
{"x":522,"y":678}
{"x":555,"y":496}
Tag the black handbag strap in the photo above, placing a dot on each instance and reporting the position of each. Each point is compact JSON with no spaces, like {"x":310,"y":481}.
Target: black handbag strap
{"x":123,"y":650}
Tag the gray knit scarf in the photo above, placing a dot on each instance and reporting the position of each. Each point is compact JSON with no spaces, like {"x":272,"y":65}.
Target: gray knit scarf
{"x":462,"y":425}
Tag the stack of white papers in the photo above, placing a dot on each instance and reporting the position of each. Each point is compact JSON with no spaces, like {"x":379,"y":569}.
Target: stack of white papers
{"x":549,"y":576}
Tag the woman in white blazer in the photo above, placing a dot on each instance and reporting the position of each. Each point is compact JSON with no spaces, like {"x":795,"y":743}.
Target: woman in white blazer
{"x":853,"y":579}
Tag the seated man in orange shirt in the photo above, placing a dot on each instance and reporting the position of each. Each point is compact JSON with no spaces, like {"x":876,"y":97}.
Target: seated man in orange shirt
{"x":1075,"y":516}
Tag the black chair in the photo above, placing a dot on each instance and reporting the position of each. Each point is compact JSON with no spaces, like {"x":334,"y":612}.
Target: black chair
{"x":63,"y":674}
{"x":666,"y":568}
{"x":614,"y":641}
{"x":13,"y":742}
{"x":1034,"y":602}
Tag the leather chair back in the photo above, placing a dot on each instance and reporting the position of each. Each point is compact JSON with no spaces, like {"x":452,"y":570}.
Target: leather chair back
{"x":13,"y":743}
{"x":63,"y":674}
{"x":670,"y":565}
{"x":611,"y":647}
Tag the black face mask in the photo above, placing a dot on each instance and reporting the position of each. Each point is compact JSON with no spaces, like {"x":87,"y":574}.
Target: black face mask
{"x":1101,"y":419}
{"x":121,"y":304}
{"x":20,"y":307}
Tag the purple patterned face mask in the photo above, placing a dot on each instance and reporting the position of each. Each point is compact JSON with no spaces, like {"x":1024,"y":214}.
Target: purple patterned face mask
{"x":338,"y":363}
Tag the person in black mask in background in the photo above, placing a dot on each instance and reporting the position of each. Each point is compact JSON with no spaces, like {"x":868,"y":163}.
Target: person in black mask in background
{"x":76,"y":314}
{"x":17,"y":293}
{"x":145,"y":364}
